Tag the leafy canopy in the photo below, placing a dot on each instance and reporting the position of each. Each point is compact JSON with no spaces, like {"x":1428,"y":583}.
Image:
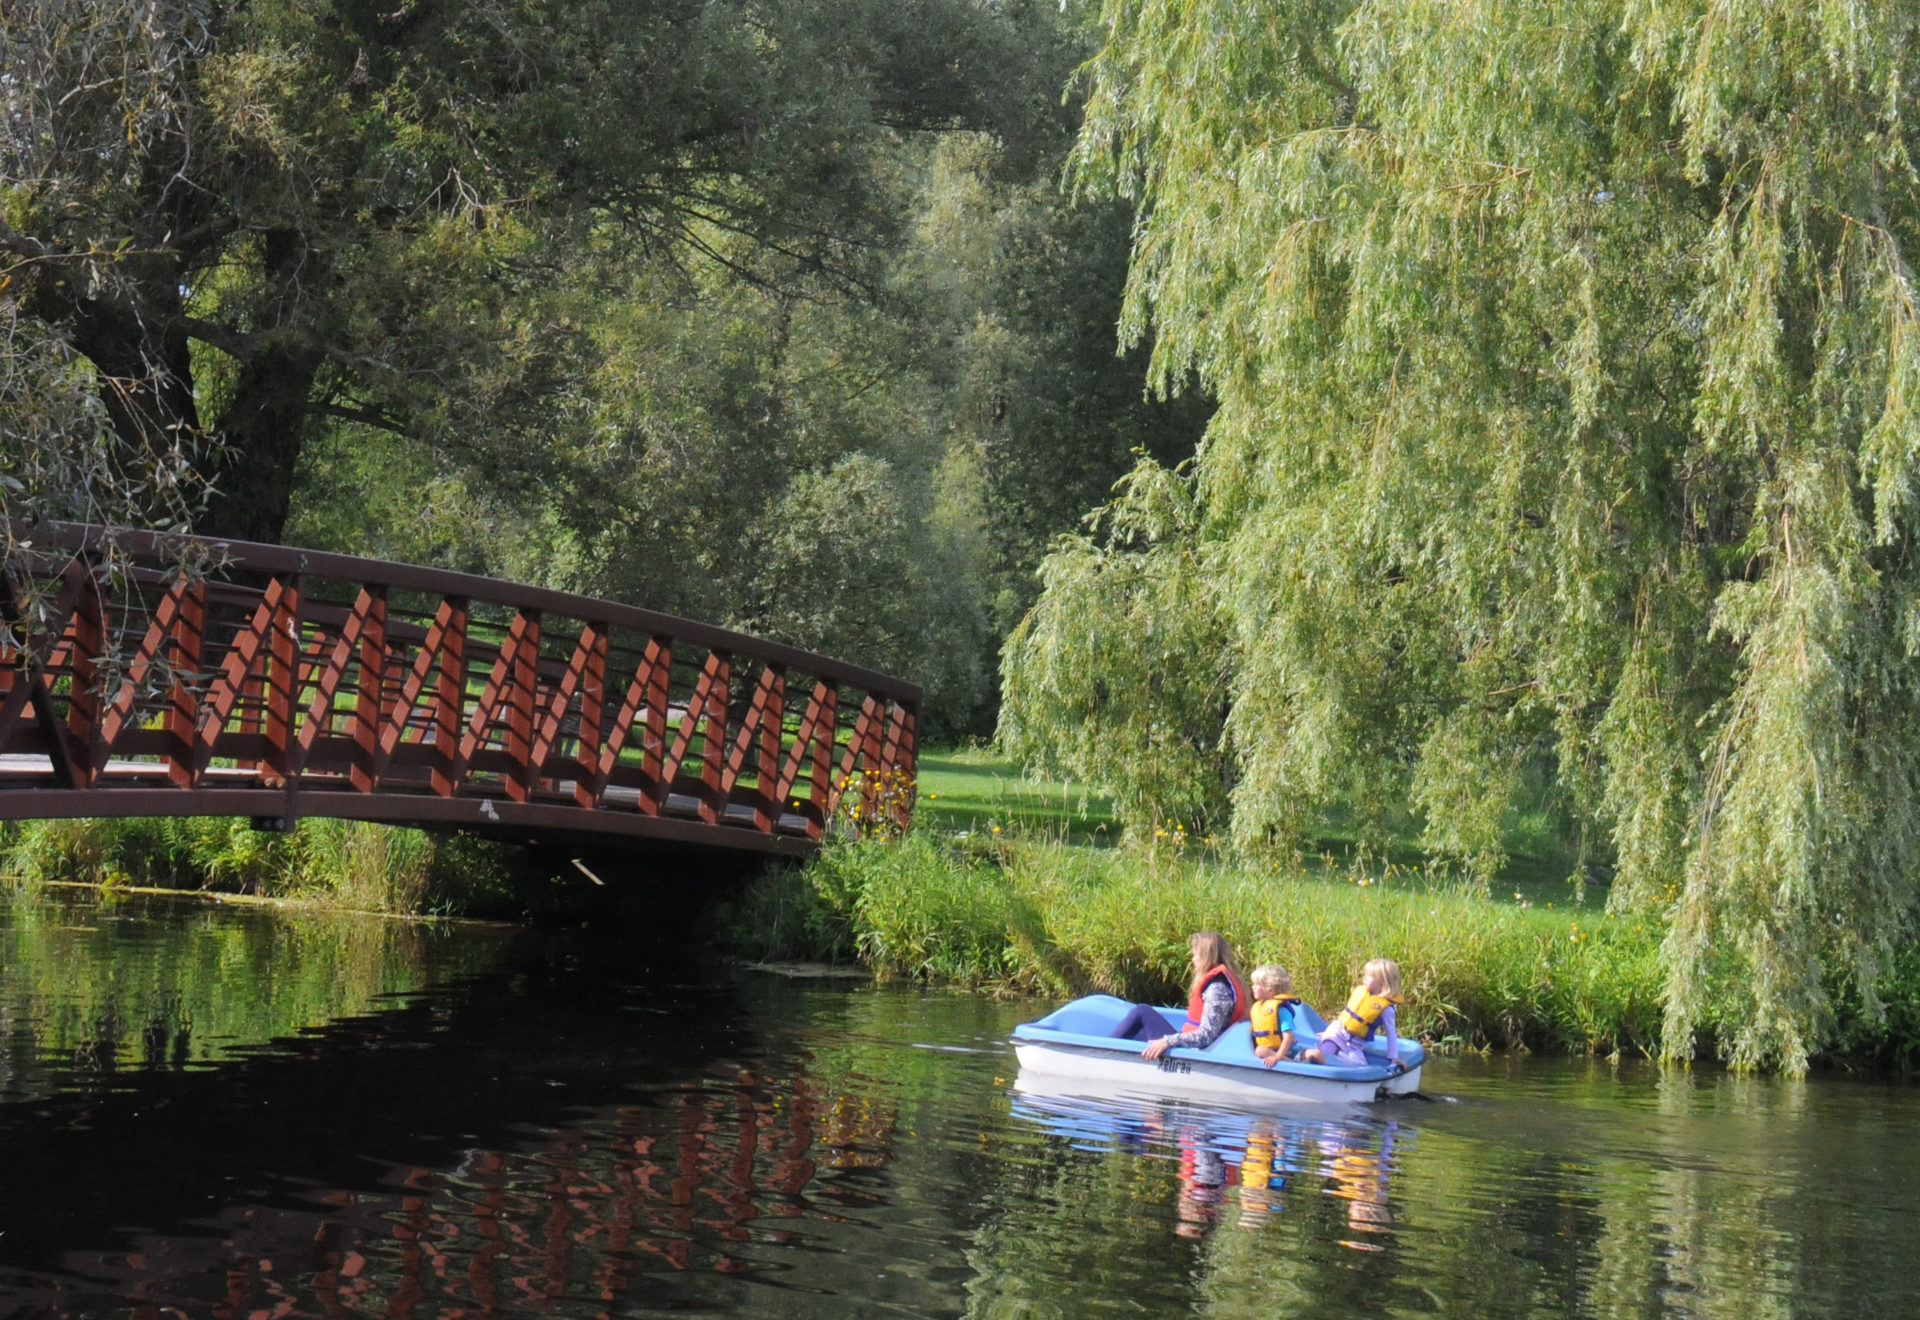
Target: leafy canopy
{"x":1567,"y":363}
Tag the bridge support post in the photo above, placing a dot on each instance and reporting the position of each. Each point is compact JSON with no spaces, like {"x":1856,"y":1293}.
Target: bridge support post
{"x":366,"y":631}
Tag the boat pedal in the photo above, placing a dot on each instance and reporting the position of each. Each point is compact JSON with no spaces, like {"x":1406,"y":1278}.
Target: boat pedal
{"x":1384,"y":1094}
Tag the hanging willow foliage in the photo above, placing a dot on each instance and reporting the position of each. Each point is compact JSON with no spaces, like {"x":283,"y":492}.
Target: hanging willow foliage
{"x":1568,"y":364}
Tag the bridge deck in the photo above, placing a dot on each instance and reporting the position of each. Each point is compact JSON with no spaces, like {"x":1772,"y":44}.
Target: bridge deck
{"x":155,"y":676}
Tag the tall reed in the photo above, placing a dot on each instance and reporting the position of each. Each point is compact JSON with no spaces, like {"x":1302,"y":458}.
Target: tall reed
{"x":1044,"y":916}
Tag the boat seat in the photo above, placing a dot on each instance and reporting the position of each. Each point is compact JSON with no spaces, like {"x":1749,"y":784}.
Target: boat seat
{"x":1094,"y":1015}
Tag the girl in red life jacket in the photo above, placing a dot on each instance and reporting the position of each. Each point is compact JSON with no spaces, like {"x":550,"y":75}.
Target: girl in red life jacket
{"x":1216,"y":999}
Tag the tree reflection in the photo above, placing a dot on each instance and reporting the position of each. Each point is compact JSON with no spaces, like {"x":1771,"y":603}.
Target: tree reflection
{"x":95,"y":985}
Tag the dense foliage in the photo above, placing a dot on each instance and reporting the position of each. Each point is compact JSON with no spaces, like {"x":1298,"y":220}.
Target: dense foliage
{"x":1566,"y":357}
{"x":764,"y":311}
{"x":330,"y":863}
{"x":250,"y":216}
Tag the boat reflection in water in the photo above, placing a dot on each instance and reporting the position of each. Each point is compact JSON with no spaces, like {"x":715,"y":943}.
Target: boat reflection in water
{"x":1261,"y":1165}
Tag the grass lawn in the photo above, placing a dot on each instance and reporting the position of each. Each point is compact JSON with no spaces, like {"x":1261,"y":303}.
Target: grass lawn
{"x":967,"y":789}
{"x":963,"y":790}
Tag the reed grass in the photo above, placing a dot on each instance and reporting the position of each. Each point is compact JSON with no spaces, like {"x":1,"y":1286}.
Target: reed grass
{"x":1045,"y":916}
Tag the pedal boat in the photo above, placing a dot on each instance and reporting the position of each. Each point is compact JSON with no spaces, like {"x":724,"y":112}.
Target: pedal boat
{"x":1074,"y":1043}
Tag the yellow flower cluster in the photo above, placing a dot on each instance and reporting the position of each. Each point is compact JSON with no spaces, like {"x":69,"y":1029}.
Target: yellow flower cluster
{"x":875,"y":803}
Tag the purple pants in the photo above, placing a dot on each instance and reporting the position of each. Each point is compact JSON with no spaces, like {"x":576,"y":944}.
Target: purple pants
{"x":1144,"y":1022}
{"x":1341,"y":1050}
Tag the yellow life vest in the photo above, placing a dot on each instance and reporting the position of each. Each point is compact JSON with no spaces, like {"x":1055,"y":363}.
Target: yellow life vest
{"x":1266,"y":1021}
{"x":1363,"y":1011}
{"x":1258,"y":1168}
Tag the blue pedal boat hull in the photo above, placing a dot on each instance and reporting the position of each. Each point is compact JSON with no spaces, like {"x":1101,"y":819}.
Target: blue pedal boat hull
{"x":1073,"y":1044}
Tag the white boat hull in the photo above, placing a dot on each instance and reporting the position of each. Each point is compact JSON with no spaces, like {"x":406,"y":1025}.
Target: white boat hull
{"x":1106,"y":1071}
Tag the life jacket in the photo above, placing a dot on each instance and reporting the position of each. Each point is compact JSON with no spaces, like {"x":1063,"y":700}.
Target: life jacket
{"x":1361,"y":1016}
{"x":1266,"y":1021}
{"x":1257,"y":1165}
{"x":1196,"y":1001}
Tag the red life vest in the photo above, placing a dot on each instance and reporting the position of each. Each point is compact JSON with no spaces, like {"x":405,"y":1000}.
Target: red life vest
{"x":1196,"y":1002}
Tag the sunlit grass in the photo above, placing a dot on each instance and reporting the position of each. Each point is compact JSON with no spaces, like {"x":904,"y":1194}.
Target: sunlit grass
{"x":976,"y":791}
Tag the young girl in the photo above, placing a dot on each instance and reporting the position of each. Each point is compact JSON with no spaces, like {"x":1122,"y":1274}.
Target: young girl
{"x":1216,"y":999}
{"x":1272,"y":1018}
{"x":1369,"y":1011}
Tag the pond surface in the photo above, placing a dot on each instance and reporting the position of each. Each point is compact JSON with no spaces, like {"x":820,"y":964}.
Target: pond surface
{"x":238,"y":1113}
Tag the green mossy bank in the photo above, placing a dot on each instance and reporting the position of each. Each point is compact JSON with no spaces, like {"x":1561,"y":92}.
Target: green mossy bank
{"x":1048,"y":918}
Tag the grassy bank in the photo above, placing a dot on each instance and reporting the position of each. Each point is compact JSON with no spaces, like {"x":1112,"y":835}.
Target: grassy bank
{"x":1046,"y":916}
{"x":1009,"y":882}
{"x":342,"y":864}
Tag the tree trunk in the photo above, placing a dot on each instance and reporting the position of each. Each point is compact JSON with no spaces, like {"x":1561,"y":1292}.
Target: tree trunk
{"x":264,"y":427}
{"x":132,"y":336}
{"x":262,"y":432}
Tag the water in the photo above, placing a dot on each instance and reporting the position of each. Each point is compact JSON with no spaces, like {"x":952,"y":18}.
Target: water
{"x":211,"y":1112}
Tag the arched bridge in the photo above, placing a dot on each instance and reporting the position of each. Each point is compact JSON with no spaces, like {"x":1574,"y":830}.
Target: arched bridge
{"x":154,"y":675}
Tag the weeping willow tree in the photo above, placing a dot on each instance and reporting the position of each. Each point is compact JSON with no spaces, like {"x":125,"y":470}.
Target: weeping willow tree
{"x":1568,"y":369}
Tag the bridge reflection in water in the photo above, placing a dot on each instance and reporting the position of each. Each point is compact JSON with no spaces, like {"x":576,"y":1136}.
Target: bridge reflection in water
{"x":578,"y":1222}
{"x":232,"y":679}
{"x":781,"y":1183}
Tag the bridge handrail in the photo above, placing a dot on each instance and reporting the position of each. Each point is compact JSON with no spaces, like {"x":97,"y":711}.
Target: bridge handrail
{"x":261,"y":557}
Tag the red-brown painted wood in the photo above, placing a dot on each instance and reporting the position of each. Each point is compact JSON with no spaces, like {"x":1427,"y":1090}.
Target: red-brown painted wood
{"x":190,"y":690}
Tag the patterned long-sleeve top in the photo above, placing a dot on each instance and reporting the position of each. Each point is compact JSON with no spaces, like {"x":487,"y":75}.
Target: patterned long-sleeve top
{"x":1216,"y":1011}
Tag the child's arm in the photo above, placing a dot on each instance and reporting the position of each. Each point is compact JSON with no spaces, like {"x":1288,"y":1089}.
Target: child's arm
{"x":1286,"y":1036}
{"x":1288,"y":1024}
{"x":1393,"y":1035}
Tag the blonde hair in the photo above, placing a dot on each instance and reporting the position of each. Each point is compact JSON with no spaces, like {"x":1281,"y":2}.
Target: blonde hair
{"x":1212,"y":949}
{"x":1389,"y":974}
{"x":1274,"y":972}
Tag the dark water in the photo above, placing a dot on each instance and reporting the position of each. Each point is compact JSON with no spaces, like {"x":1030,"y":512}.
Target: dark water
{"x":207,"y":1112}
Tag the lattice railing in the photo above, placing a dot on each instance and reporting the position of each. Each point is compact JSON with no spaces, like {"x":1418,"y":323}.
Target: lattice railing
{"x":225,"y":678}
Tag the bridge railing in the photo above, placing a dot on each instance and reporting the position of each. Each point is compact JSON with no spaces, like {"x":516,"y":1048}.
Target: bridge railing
{"x":179,"y":677}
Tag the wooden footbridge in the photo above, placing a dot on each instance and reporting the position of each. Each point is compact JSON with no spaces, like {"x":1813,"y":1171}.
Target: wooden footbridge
{"x":166,"y":676}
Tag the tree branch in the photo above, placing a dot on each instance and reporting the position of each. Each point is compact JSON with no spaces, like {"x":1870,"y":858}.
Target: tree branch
{"x":193,"y":240}
{"x":32,"y":248}
{"x":366,"y":416}
{"x":1321,"y":73}
{"x":235,"y":343}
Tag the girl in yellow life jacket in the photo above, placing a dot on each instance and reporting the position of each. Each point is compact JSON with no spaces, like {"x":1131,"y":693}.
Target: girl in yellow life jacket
{"x":1368,"y":1012}
{"x":1272,"y":1016}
